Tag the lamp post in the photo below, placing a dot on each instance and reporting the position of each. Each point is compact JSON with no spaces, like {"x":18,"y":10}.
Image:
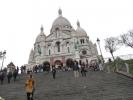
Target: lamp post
{"x":98,"y":42}
{"x":2,"y":54}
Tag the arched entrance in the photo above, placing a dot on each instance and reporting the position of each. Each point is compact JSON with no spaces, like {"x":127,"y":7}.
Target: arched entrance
{"x":69,"y":62}
{"x":58,"y":64}
{"x":46,"y":66}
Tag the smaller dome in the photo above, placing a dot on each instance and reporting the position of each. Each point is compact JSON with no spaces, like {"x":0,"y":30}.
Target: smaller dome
{"x":31,"y":56}
{"x":41,"y":37}
{"x":80,"y":31}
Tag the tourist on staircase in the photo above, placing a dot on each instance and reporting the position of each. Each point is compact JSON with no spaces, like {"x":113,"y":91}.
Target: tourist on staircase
{"x":53,"y":71}
{"x":30,"y":87}
{"x":2,"y":76}
{"x":9,"y":76}
{"x":83,"y":70}
{"x":76,"y":69}
{"x":15,"y":74}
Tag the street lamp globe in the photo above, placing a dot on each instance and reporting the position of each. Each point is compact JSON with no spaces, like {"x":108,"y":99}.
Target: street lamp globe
{"x":98,"y":40}
{"x":4,"y":52}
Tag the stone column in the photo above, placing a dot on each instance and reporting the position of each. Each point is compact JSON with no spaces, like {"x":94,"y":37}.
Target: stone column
{"x":77,"y":57}
{"x":127,"y":67}
{"x":63,"y":60}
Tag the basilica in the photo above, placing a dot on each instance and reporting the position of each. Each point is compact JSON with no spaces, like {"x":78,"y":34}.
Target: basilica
{"x":63,"y":44}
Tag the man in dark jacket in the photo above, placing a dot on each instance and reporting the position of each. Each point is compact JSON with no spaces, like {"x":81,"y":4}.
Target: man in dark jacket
{"x":76,"y":69}
{"x":53,"y":71}
{"x":2,"y":76}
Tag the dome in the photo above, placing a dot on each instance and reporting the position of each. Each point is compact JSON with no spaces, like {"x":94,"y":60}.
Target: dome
{"x":60,"y":22}
{"x":80,"y":31}
{"x":31,"y":56}
{"x":41,"y":37}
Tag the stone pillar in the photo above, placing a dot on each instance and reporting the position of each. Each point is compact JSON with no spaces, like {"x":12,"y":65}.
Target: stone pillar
{"x":63,"y":60}
{"x":77,"y":57}
{"x":127,"y":67}
{"x":51,"y":61}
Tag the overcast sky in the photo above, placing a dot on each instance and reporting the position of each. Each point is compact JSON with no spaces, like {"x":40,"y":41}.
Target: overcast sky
{"x":20,"y":22}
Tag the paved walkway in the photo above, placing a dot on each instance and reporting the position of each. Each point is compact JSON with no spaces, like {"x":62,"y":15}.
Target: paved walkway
{"x":96,"y":86}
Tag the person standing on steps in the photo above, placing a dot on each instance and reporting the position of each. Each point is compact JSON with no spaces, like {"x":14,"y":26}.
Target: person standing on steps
{"x":83,"y":70}
{"x":76,"y":69}
{"x":30,"y":87}
{"x":53,"y":71}
{"x":15,"y":74}
{"x":9,"y":76}
{"x":2,"y":76}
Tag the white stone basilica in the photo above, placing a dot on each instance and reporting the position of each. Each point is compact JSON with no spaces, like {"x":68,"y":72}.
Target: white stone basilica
{"x":62,"y":44}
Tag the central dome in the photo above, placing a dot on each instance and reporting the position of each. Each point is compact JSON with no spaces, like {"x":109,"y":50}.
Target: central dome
{"x":60,"y":22}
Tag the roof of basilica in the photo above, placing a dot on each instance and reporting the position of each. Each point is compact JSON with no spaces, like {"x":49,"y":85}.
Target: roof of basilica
{"x":61,"y":23}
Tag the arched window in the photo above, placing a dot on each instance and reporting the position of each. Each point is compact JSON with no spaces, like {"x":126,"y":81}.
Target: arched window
{"x":84,"y":52}
{"x":82,"y":41}
{"x":57,"y":32}
{"x":49,"y":52}
{"x":67,"y":43}
{"x":58,"y":46}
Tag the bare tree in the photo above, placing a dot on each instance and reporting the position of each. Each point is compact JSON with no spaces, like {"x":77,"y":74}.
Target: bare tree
{"x":111,"y":45}
{"x":127,"y":39}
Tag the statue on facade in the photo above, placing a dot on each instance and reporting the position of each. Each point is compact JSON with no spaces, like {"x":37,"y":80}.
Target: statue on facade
{"x":39,"y":49}
{"x":76,"y":45}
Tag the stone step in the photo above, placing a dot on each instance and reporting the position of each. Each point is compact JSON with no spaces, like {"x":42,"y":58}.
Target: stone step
{"x":95,"y":86}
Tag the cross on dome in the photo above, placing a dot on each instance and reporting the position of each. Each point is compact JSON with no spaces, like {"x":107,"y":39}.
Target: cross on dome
{"x":41,"y":28}
{"x":60,"y":12}
{"x":78,"y":23}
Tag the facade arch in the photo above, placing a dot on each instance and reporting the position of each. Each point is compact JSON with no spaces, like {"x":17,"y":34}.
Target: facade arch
{"x":58,"y":64}
{"x":46,"y":66}
{"x":69,"y":62}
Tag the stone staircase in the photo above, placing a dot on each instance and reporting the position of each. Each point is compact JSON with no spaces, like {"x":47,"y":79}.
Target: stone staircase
{"x":96,"y":86}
